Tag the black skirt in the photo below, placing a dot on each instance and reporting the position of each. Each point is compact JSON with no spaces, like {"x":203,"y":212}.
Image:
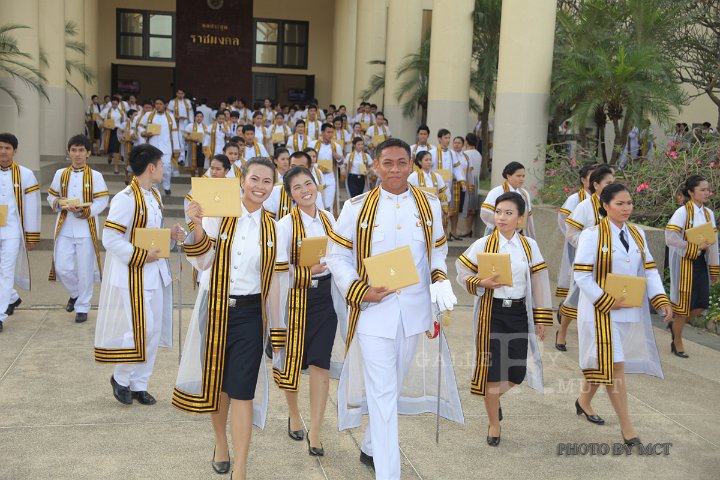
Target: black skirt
{"x":243,"y":348}
{"x":508,"y":343}
{"x":114,"y":142}
{"x":700,"y":295}
{"x":320,"y":326}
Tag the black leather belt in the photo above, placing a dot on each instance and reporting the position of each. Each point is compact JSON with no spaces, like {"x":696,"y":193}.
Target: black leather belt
{"x":236,"y":301}
{"x":508,"y":302}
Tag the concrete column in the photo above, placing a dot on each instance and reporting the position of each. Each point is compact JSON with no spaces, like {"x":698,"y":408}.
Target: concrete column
{"x":402,"y":40}
{"x":344,"y":44}
{"x":91,"y":39}
{"x":52,"y":42}
{"x":371,"y":27}
{"x":450,"y":60}
{"x":26,"y":124}
{"x":527,"y":32}
{"x":74,"y":103}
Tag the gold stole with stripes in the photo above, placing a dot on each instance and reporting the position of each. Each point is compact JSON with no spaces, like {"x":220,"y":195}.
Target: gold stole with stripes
{"x":136,"y":273}
{"x":218,"y":294}
{"x":478,"y":383}
{"x":288,"y":378}
{"x":213,"y":134}
{"x":363,"y":238}
{"x":682,"y":307}
{"x":351,"y":160}
{"x":106,"y":138}
{"x":170,"y":128}
{"x":88,"y":196}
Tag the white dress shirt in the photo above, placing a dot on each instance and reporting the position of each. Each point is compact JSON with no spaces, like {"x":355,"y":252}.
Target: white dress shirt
{"x":518,"y":265}
{"x":12,"y":228}
{"x":246,"y":254}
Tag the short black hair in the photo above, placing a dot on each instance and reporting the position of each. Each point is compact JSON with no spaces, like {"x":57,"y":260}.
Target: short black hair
{"x":425,"y":128}
{"x":690,"y":184}
{"x":235,"y":114}
{"x":514,"y":197}
{"x":230,"y":145}
{"x":471,"y":139}
{"x":257,"y":114}
{"x":248,"y":128}
{"x":608,"y":194}
{"x":294,"y":172}
{"x":159,"y":98}
{"x":264,"y":161}
{"x":312,"y":106}
{"x":325,"y":126}
{"x":442,"y":132}
{"x":300,"y":122}
{"x":9,"y":138}
{"x":223,"y":159}
{"x":419,"y":156}
{"x":280,"y":151}
{"x":392,"y":142}
{"x":356,"y":140}
{"x":511,"y":168}
{"x":79,"y":141}
{"x":599,"y":174}
{"x":133,"y":111}
{"x":143,"y":155}
{"x":304,"y":156}
{"x":237,"y":139}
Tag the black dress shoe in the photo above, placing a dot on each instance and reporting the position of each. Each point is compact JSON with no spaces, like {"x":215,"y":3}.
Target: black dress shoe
{"x":1,"y":326}
{"x":366,"y":459}
{"x":71,"y":304}
{"x":144,"y":397}
{"x":80,"y":317}
{"x":559,"y":346}
{"x":500,"y":413}
{"x":493,"y":441}
{"x":167,"y":192}
{"x":674,"y":350}
{"x":121,"y":394}
{"x":220,"y":467}
{"x":296,"y":435}
{"x":590,"y":418}
{"x":11,"y":308}
{"x":315,"y":452}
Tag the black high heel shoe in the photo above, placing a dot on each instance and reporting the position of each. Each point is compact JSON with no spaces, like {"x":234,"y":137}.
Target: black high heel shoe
{"x":560,"y":346}
{"x":296,"y":435}
{"x":492,"y":441}
{"x":674,"y":350}
{"x":590,"y":418}
{"x":315,"y":452}
{"x":500,"y":417}
{"x":220,"y":467}
{"x":631,"y":442}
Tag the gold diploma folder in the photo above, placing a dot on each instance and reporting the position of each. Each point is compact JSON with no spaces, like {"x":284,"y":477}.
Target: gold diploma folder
{"x":628,"y":286}
{"x":701,"y":234}
{"x":312,"y":250}
{"x":3,"y":215}
{"x":152,"y":238}
{"x":153,"y":128}
{"x":378,"y":139}
{"x":326,"y":164}
{"x":278,"y":137}
{"x":490,"y":264}
{"x":444,"y":173}
{"x":196,"y":137}
{"x":393,"y":270}
{"x":109,"y":124}
{"x":218,"y":197}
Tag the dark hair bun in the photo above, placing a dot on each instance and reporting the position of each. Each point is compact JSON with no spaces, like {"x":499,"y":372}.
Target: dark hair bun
{"x":690,"y":184}
{"x":511,"y":168}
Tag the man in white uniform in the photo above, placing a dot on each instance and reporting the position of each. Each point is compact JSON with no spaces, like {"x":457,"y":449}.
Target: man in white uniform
{"x":181,"y":110}
{"x":387,"y":324}
{"x":328,"y":150}
{"x":167,"y":140}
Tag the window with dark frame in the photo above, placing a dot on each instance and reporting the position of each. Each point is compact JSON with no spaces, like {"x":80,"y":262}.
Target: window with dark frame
{"x":145,"y":35}
{"x":281,"y":43}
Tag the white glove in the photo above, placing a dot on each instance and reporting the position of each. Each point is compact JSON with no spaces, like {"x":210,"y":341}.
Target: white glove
{"x":444,"y":295}
{"x":433,"y":293}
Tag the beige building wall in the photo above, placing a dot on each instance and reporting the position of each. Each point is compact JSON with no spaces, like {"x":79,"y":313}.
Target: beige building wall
{"x":320,"y":14}
{"x":107,"y":38}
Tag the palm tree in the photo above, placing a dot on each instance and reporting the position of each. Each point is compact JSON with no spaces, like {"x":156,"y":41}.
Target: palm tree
{"x":14,"y":66}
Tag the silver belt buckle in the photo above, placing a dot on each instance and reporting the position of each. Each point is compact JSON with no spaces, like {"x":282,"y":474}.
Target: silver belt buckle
{"x":232,"y":302}
{"x":314,"y":283}
{"x":507,"y":302}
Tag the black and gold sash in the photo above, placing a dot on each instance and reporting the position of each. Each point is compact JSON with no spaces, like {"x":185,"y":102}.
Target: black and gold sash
{"x":218,"y":293}
{"x":29,"y":237}
{"x":213,"y":133}
{"x":604,"y":373}
{"x":88,"y":197}
{"x":288,"y":378}
{"x":363,"y":237}
{"x":136,"y":273}
{"x":542,"y":316}
{"x":108,"y":132}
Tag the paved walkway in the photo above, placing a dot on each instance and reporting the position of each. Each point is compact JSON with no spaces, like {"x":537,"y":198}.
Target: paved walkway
{"x":58,"y":418}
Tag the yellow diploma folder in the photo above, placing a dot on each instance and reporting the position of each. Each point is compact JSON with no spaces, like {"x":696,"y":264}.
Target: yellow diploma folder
{"x":490,"y":264}
{"x":444,"y":173}
{"x":196,"y":137}
{"x":3,"y":215}
{"x":109,"y":124}
{"x":701,"y":234}
{"x":393,"y":270}
{"x":312,"y":250}
{"x":378,"y":139}
{"x":364,"y":126}
{"x":153,"y":128}
{"x":64,"y":202}
{"x":152,"y":238}
{"x":325,"y":164}
{"x":628,"y":286}
{"x":363,"y":168}
{"x":278,"y":137}
{"x":218,"y":197}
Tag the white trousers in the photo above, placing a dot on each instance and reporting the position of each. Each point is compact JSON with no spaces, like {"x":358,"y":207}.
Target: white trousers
{"x":168,"y":171}
{"x":136,"y":376}
{"x":8,"y":258}
{"x":328,"y":195}
{"x":75,"y":267}
{"x":385,"y":363}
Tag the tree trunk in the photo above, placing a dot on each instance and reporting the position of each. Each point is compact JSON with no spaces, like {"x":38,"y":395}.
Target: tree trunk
{"x":485,"y":136}
{"x":618,"y":143}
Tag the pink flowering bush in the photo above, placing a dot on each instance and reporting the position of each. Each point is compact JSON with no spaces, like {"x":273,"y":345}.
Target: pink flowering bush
{"x":655,"y":183}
